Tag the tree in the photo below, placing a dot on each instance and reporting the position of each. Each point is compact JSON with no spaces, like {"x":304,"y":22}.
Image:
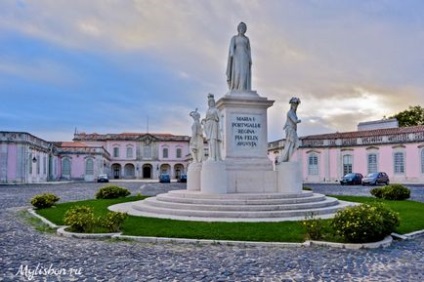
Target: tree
{"x":413,"y":116}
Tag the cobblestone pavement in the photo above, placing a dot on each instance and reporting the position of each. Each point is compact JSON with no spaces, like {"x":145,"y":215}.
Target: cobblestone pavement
{"x":23,"y":251}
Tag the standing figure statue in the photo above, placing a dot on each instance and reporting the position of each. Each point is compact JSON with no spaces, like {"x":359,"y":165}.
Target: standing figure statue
{"x":196,"y":141}
{"x":239,"y":75}
{"x":212,"y":132}
{"x":292,"y":141}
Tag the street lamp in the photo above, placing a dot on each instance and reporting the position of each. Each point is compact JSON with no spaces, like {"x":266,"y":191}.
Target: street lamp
{"x":34,"y":159}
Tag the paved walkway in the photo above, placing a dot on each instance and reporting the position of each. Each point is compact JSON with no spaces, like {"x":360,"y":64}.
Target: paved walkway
{"x":24,"y":250}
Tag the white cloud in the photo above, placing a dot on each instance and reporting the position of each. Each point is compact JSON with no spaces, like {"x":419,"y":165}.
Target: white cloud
{"x":348,"y":61}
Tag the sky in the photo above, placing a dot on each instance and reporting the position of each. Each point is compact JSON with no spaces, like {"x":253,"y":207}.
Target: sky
{"x":113,"y":66}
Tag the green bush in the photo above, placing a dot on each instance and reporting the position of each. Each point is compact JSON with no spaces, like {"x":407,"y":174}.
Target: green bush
{"x":80,"y":219}
{"x":45,"y":200}
{"x":112,"y":192}
{"x":392,"y":192}
{"x":365,"y":223}
{"x":114,"y":221}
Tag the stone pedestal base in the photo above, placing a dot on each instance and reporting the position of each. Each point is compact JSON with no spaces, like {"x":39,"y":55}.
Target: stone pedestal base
{"x":289,"y":177}
{"x":193,"y":176}
{"x":213,"y":178}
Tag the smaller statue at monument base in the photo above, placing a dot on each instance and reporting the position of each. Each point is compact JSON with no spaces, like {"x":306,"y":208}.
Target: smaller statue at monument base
{"x":196,"y":140}
{"x":212,"y":131}
{"x":292,"y":140}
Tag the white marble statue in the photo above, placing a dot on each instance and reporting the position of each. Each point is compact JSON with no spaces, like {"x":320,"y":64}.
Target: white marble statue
{"x":212,"y":132}
{"x":196,"y":141}
{"x":292,"y":141}
{"x":239,"y":63}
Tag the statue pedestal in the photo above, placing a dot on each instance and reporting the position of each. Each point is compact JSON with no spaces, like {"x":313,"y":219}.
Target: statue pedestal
{"x":193,"y":176}
{"x":289,"y":178}
{"x":245,"y":142}
{"x":213,"y":178}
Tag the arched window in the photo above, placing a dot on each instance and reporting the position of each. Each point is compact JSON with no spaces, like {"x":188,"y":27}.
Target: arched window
{"x":66,"y":167}
{"x":129,"y":152}
{"x":372,"y":163}
{"x":399,"y":162}
{"x":179,"y":154}
{"x":116,"y":152}
{"x":347,"y":164}
{"x":165,"y":153}
{"x":89,"y":167}
{"x":313,"y":164}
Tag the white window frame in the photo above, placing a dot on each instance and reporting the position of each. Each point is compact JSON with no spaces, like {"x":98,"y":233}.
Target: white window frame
{"x":313,"y":169}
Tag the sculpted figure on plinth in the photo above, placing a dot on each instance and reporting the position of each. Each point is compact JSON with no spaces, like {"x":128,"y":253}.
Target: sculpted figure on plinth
{"x":292,"y":141}
{"x":239,"y":63}
{"x":212,"y":131}
{"x":196,"y":141}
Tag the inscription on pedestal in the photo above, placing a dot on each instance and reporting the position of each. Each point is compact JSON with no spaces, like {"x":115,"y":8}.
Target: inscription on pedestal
{"x":246,"y":130}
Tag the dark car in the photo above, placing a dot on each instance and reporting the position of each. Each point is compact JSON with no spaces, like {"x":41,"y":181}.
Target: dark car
{"x":102,"y":178}
{"x":182,"y":178}
{"x":164,"y":178}
{"x":376,"y":178}
{"x":351,"y":179}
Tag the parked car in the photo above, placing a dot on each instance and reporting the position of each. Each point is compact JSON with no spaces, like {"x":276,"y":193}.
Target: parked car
{"x":164,"y":178}
{"x":376,"y":178}
{"x":182,"y":178}
{"x":352,"y":179}
{"x":102,"y":178}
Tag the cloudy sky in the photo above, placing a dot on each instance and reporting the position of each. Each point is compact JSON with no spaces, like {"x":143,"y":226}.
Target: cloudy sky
{"x":115,"y":66}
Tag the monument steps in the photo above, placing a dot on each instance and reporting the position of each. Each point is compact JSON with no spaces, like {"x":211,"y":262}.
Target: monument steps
{"x":172,"y":198}
{"x":240,"y":206}
{"x":238,"y":215}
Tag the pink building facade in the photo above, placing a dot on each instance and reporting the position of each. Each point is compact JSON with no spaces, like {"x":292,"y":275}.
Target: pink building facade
{"x":140,"y":155}
{"x":326,"y":158}
{"x":25,"y":158}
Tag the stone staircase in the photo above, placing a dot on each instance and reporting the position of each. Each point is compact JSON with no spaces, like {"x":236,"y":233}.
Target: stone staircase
{"x":237,"y":207}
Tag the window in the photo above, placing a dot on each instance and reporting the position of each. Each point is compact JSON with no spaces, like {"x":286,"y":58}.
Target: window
{"x":147,"y":152}
{"x":30,"y":163}
{"x":313,"y":164}
{"x":372,"y":163}
{"x":44,"y":165}
{"x":179,"y":153}
{"x":38,"y":164}
{"x":347,"y":164}
{"x":66,"y":167}
{"x":116,"y":152}
{"x":165,"y":153}
{"x":129,"y":152}
{"x":89,"y":167}
{"x":422,"y":161}
{"x":399,"y":162}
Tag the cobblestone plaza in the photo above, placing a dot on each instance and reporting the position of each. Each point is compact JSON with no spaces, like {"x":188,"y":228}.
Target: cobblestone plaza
{"x":102,"y":260}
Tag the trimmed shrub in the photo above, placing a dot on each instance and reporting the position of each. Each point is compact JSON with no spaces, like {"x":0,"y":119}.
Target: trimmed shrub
{"x":307,"y":188}
{"x":45,"y":200}
{"x":80,"y":219}
{"x":392,"y":192}
{"x":112,"y":192}
{"x":114,"y":221}
{"x":365,"y":223}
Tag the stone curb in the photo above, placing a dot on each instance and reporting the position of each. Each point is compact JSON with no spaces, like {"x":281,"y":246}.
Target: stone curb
{"x":208,"y":242}
{"x":62,"y":232}
{"x":414,"y":234}
{"x":43,"y":219}
{"x":381,"y":244}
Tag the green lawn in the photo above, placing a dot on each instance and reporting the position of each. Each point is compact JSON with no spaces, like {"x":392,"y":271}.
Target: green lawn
{"x":410,"y":214}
